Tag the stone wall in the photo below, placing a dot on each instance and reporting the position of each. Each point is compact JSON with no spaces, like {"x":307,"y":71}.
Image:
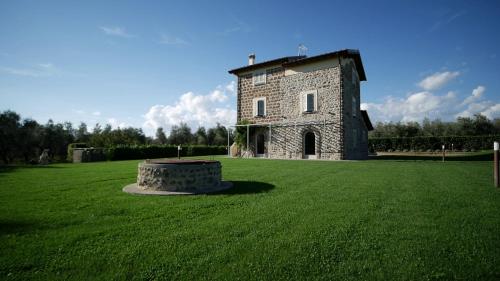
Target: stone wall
{"x":353,"y":148}
{"x":182,"y":177}
{"x":270,"y":90}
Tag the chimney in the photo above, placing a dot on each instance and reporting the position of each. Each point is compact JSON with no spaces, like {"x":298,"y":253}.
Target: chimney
{"x":251,"y":59}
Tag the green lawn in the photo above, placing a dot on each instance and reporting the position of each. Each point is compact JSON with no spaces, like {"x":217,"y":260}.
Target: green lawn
{"x":283,"y":220}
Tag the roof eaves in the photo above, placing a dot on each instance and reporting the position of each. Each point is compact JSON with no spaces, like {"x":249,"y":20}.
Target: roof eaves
{"x":366,"y":119}
{"x":347,"y":53}
{"x":265,"y":63}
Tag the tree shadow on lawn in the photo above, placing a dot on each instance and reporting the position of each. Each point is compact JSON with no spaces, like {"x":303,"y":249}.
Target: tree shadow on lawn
{"x":475,"y":157}
{"x":245,"y":187}
{"x":12,"y":168}
{"x":11,"y":227}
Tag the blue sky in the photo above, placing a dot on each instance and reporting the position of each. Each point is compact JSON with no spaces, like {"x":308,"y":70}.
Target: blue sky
{"x":156,"y":63}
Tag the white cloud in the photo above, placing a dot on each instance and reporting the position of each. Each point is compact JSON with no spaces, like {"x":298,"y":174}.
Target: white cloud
{"x":116,"y":31}
{"x":437,"y":80}
{"x":477,"y":93}
{"x":170,"y":40}
{"x":34,"y":70}
{"x":231,"y":87}
{"x":492,"y":111}
{"x":46,"y":65}
{"x":238,"y":26}
{"x":195,"y":110}
{"x":96,"y":113}
{"x":413,"y":108}
{"x":21,"y":72}
{"x":117,"y":124}
{"x":445,"y":21}
{"x":417,"y":106}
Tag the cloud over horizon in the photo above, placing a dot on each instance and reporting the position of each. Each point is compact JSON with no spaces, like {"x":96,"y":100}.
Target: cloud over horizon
{"x":194,"y":110}
{"x":425,"y":104}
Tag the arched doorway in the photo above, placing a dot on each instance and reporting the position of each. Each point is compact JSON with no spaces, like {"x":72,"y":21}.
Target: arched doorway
{"x":260,"y":145}
{"x":309,"y":146}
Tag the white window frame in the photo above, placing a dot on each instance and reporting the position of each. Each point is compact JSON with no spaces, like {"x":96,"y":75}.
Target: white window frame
{"x":255,"y":107}
{"x":303,"y":101}
{"x":354,"y":106}
{"x":259,"y":77}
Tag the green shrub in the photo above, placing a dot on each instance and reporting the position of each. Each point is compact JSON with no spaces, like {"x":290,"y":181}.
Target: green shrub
{"x":161,"y":151}
{"x":460,"y":143}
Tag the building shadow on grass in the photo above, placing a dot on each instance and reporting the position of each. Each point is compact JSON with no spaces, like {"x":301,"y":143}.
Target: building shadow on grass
{"x":246,"y":187}
{"x":11,"y":227}
{"x":475,"y":157}
{"x":12,"y":168}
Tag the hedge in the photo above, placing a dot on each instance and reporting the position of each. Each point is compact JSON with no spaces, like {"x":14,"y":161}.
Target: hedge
{"x":161,"y":151}
{"x":460,"y":143}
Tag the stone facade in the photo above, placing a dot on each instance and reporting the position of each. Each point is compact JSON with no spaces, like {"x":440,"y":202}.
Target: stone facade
{"x":338,"y":133}
{"x":180,"y":177}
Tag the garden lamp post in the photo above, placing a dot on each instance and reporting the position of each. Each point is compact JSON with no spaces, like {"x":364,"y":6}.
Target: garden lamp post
{"x":442,"y":147}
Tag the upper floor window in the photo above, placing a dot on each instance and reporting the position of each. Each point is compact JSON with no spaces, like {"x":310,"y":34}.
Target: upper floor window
{"x":309,"y":100}
{"x":259,"y":78}
{"x":259,"y":107}
{"x":354,"y":107}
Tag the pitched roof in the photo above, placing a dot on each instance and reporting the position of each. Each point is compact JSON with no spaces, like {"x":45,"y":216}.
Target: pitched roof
{"x":367,"y":121}
{"x":265,"y":63}
{"x":298,"y":60}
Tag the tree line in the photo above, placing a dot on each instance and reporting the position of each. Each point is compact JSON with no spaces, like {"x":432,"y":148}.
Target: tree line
{"x":478,"y":125}
{"x":23,"y":140}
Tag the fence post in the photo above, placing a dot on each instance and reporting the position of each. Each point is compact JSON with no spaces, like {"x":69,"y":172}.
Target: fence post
{"x":495,"y":163}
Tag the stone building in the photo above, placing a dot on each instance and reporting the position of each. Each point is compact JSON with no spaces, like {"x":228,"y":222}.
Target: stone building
{"x":303,"y":107}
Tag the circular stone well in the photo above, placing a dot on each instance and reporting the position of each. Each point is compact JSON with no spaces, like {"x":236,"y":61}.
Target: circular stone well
{"x":170,"y":177}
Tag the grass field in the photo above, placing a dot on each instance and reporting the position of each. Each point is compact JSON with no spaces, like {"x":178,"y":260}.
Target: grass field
{"x":283,"y":220}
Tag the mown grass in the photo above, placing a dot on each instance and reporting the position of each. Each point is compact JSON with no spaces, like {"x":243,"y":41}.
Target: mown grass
{"x":283,"y":220}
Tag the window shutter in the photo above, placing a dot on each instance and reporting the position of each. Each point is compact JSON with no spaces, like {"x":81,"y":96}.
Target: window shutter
{"x":304,"y":102}
{"x":254,"y":109}
{"x":316,"y":100}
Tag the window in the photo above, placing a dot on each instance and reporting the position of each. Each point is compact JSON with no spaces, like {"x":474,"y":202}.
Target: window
{"x":354,"y":107}
{"x":354,"y":138}
{"x":259,"y":107}
{"x":309,"y":101}
{"x":354,"y":77}
{"x":259,"y":78}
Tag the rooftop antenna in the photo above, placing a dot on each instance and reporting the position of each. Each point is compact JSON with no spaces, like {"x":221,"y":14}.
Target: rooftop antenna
{"x":302,"y":50}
